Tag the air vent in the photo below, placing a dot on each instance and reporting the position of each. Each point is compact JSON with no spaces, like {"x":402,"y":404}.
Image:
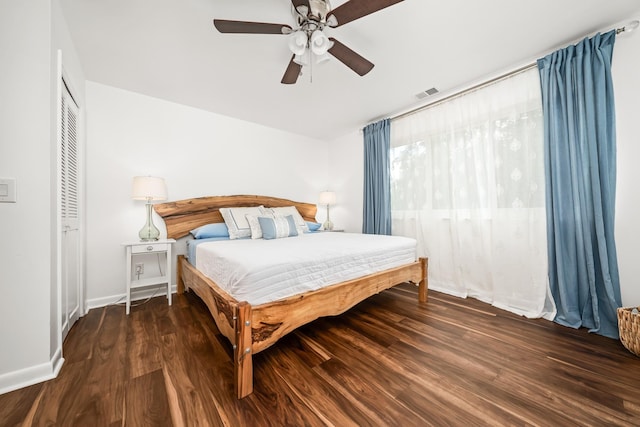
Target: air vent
{"x":428,"y":92}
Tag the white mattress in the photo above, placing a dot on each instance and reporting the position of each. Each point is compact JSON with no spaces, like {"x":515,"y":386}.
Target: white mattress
{"x":260,"y":271}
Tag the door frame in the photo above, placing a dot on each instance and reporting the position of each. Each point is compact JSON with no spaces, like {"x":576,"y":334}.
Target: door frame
{"x":64,"y":79}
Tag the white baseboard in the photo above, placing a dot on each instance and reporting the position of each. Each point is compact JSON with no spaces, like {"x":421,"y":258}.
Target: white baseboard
{"x":120,"y":298}
{"x":32,"y":375}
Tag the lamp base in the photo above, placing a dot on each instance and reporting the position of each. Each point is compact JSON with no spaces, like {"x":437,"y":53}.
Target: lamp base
{"x":149,"y":240}
{"x":149,"y":233}
{"x":328,"y":225}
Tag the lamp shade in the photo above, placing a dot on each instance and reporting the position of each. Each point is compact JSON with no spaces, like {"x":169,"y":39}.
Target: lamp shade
{"x":302,"y":59}
{"x":320,"y":43}
{"x":148,"y":188}
{"x":298,"y":42}
{"x":322,"y":58}
{"x":327,"y":198}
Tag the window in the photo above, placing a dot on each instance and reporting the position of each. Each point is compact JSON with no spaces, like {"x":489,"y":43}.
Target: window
{"x":467,"y":182}
{"x":470,"y":160}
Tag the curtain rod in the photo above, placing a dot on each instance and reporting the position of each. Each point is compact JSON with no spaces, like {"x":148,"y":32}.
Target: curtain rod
{"x":466,"y":91}
{"x":629,"y":27}
{"x":632,"y":26}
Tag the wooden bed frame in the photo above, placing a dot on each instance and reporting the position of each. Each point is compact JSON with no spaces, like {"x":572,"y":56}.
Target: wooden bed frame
{"x":252,"y":329}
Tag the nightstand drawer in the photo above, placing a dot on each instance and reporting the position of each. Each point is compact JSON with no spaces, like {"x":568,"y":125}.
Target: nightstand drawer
{"x":150,"y":247}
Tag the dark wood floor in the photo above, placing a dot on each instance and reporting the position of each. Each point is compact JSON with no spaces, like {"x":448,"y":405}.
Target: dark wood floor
{"x":388,"y":361}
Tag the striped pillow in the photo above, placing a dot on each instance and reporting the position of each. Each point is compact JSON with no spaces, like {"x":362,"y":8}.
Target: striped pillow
{"x":277,"y":227}
{"x":301,"y":224}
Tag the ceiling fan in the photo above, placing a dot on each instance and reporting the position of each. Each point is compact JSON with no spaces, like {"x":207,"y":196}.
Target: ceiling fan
{"x":307,"y":41}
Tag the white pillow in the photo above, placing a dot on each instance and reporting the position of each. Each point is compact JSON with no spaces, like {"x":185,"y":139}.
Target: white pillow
{"x":254,"y":225}
{"x":236,"y":220}
{"x":301,"y":224}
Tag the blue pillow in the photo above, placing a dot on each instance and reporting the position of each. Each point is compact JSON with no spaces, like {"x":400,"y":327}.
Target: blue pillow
{"x":313,"y":226}
{"x":278,"y":227}
{"x":218,"y":229}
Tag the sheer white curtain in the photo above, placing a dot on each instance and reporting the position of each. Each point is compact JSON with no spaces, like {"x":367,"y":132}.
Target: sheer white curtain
{"x":467,"y":181}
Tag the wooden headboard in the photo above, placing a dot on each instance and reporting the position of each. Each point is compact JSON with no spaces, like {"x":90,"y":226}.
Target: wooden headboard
{"x":182,"y":216}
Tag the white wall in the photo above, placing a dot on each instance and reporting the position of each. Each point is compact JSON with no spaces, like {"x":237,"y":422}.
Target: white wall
{"x":25,"y":226}
{"x":197,"y":152}
{"x":346,"y":172}
{"x":626,"y":69}
{"x":30,"y":33}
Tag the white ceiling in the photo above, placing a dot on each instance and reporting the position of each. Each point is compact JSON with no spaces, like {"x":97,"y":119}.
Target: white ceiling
{"x":169,"y":49}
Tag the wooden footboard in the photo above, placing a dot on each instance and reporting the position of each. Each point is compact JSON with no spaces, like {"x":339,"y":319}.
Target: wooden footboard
{"x":253,"y":329}
{"x":222,"y":306}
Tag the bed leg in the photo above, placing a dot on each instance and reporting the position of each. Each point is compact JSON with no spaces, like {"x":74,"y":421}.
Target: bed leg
{"x":423,"y":285}
{"x":179,"y":281}
{"x":243,"y":361}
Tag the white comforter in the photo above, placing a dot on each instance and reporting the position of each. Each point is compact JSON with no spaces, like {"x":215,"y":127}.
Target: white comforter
{"x":260,"y":271}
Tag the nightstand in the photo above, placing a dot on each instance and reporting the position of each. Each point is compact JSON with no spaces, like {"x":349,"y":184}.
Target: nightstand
{"x":158,"y":247}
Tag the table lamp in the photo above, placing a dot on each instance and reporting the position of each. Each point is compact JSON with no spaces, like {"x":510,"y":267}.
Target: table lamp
{"x":327,"y":198}
{"x":149,"y":188}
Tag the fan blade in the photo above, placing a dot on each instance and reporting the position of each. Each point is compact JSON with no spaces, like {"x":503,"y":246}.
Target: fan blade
{"x":297,"y":3}
{"x":355,"y":9}
{"x":292,"y":73}
{"x":244,"y":27}
{"x":350,"y":58}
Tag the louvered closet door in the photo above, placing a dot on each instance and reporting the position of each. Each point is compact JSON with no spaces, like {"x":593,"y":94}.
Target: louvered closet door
{"x":71,"y":291}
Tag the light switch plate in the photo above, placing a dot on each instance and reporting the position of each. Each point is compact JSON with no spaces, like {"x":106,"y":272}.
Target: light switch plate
{"x":7,"y":190}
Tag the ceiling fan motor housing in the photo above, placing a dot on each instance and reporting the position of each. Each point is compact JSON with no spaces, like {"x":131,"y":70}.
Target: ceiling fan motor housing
{"x":315,"y":17}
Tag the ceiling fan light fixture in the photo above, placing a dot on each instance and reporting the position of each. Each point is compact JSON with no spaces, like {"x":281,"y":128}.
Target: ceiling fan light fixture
{"x":302,"y":59}
{"x":323,"y":58}
{"x":319,"y":42}
{"x":298,"y":42}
